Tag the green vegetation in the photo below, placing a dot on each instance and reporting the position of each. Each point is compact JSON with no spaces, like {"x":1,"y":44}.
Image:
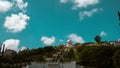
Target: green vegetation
{"x":97,"y":56}
{"x":98,"y":39}
{"x":89,"y":56}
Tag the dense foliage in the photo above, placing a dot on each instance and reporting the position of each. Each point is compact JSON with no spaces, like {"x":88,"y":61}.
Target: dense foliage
{"x":97,"y":56}
{"x":90,"y":56}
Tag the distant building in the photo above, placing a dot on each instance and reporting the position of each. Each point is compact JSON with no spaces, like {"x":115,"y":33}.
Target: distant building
{"x":54,"y":65}
{"x":115,"y":43}
{"x":69,"y":43}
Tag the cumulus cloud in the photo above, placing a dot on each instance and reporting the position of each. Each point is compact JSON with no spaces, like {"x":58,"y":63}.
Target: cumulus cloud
{"x":78,"y":4}
{"x":81,"y":3}
{"x":103,"y":34}
{"x":84,"y":3}
{"x":48,"y":40}
{"x":21,"y":5}
{"x":63,"y":1}
{"x":11,"y":44}
{"x":88,"y":13}
{"x":76,"y":39}
{"x":5,"y":5}
{"x":16,"y":22}
{"x":61,"y":40}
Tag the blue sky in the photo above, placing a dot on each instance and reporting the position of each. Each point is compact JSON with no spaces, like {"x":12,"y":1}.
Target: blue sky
{"x":36,"y":23}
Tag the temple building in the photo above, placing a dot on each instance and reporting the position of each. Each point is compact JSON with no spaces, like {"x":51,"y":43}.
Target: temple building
{"x":69,"y":43}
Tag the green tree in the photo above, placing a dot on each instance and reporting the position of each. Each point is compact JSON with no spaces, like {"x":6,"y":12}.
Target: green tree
{"x":99,"y":57}
{"x":71,"y":54}
{"x":49,"y":51}
{"x":97,"y":39}
{"x":116,"y":59}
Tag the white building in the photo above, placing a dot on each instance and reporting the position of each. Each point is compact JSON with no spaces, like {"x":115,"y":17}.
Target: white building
{"x":69,"y":43}
{"x":115,"y":43}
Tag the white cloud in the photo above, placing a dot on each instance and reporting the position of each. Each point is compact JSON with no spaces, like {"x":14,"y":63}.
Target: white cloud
{"x":88,"y":13}
{"x":5,"y":5}
{"x":61,"y":40}
{"x":76,"y":39}
{"x":102,"y":34}
{"x":11,"y":44}
{"x":16,"y":23}
{"x":21,"y":5}
{"x":23,"y":48}
{"x":63,"y":1}
{"x":81,"y":3}
{"x":77,"y":4}
{"x":48,"y":40}
{"x":84,"y":3}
